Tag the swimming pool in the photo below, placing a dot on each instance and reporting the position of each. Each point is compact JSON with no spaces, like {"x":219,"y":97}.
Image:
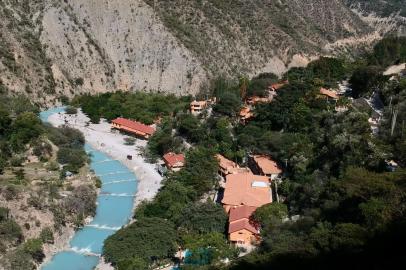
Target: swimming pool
{"x":114,"y":209}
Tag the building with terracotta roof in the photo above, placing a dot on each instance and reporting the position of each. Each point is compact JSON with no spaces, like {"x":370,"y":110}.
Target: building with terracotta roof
{"x":328,"y":93}
{"x":264,"y":165}
{"x":246,"y":114}
{"x":132,"y":127}
{"x":196,"y":107}
{"x":173,"y":161}
{"x":276,"y":86}
{"x":241,"y":230}
{"x":227,"y":166}
{"x":246,"y":189}
{"x":256,"y":99}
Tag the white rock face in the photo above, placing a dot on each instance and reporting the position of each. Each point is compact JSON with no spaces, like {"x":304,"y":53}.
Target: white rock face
{"x":115,"y":45}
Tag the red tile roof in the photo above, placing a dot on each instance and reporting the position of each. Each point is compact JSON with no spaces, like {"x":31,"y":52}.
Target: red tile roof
{"x":172,"y":159}
{"x":240,"y":225}
{"x":134,"y":125}
{"x":241,"y":212}
{"x":267,"y":165}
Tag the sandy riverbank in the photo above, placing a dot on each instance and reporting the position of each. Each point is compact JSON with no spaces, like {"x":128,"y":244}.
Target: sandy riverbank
{"x":101,"y":138}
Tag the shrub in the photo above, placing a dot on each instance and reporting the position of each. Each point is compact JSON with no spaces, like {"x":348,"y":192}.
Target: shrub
{"x":47,"y":235}
{"x":74,"y":159}
{"x":98,"y":183}
{"x":71,"y":110}
{"x":129,"y":141}
{"x":10,"y":192}
{"x":34,"y":248}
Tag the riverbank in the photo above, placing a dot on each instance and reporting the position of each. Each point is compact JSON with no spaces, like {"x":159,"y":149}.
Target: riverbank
{"x":100,"y":137}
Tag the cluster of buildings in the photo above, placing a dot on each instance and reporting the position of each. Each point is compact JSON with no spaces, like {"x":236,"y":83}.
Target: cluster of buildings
{"x":172,"y":161}
{"x":246,"y":189}
{"x":246,"y":112}
{"x":243,"y":189}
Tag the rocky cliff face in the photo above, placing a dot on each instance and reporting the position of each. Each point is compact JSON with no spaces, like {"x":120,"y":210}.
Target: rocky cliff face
{"x":116,"y":44}
{"x":51,"y":49}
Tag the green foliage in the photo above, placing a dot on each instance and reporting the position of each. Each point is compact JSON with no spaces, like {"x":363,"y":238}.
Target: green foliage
{"x":47,"y":236}
{"x":209,"y":248}
{"x":259,"y":84}
{"x":10,"y":231}
{"x":270,"y":213}
{"x":98,"y":183}
{"x":66,"y":137}
{"x":389,"y":51}
{"x":200,"y":170}
{"x":162,"y":141}
{"x":5,"y":122}
{"x":34,"y":248}
{"x":71,"y":110}
{"x":143,"y":107}
{"x":132,"y":264}
{"x":72,"y":159}
{"x":21,"y":260}
{"x":190,"y":128}
{"x":4,"y":214}
{"x":366,"y":79}
{"x":26,"y":127}
{"x":229,"y":103}
{"x":203,"y":218}
{"x":71,"y":153}
{"x":324,"y":72}
{"x":158,"y":242}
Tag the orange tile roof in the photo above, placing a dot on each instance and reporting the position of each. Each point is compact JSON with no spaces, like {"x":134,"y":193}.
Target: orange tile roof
{"x":229,"y":166}
{"x":329,"y":93}
{"x":172,"y":159}
{"x":226,"y":163}
{"x":134,"y":125}
{"x":246,"y":113}
{"x":241,"y":212}
{"x":240,"y":225}
{"x":247,"y":189}
{"x":255,"y":99}
{"x":267,"y":165}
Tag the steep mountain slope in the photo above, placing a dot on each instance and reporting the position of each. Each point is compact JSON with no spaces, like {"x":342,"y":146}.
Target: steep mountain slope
{"x":51,"y":49}
{"x":259,"y":35}
{"x":116,"y":45}
{"x":23,"y":65}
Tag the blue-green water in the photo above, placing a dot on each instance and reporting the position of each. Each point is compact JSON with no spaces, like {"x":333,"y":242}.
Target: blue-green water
{"x":114,"y":209}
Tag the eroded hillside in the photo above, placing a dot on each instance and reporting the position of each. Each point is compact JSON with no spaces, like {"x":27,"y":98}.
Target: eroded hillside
{"x":52,"y":49}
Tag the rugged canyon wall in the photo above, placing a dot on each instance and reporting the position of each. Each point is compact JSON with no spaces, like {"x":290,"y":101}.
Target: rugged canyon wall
{"x":98,"y":46}
{"x":52,"y":49}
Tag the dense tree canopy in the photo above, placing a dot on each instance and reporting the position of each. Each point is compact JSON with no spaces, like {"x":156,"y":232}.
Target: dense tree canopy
{"x":141,"y":243}
{"x":144,"y":107}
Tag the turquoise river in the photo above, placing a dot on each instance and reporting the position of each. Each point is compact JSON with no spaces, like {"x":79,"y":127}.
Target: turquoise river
{"x":114,"y":209}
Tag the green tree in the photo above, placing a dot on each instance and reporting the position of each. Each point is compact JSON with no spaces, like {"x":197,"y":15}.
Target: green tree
{"x":229,"y":104}
{"x":208,"y":248}
{"x":34,"y":248}
{"x":203,"y":218}
{"x":26,"y":127}
{"x":158,"y":241}
{"x":47,"y":235}
{"x":270,"y":214}
{"x":365,"y":79}
{"x":132,"y":264}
